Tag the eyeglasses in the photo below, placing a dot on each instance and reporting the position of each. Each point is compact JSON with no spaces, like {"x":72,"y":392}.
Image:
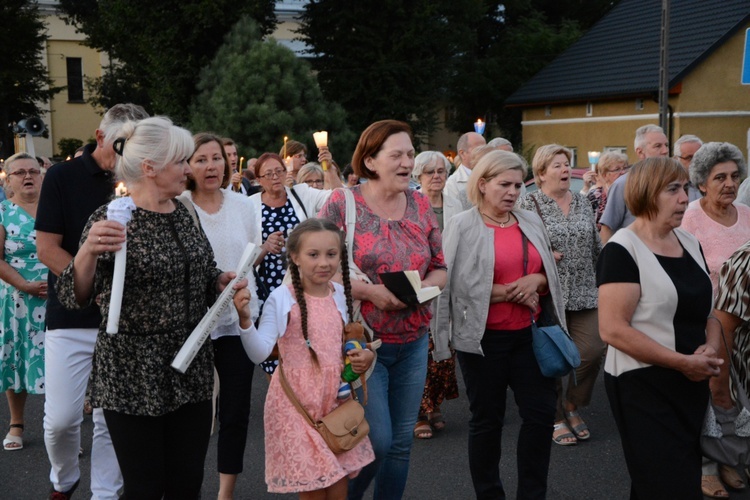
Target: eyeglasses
{"x":438,"y":171}
{"x":273,"y":174}
{"x":316,"y":182}
{"x":618,"y":170}
{"x":23,"y":173}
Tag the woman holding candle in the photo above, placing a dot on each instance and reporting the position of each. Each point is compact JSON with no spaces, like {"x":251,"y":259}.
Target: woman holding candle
{"x":159,"y":419}
{"x":23,"y":294}
{"x":569,"y":222}
{"x":431,"y":171}
{"x":396,"y":230}
{"x":217,"y":208}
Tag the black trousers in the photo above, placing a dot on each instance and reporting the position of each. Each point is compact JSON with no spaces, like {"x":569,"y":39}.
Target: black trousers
{"x":235,"y":383}
{"x":508,"y":361}
{"x":162,"y":457}
{"x":659,"y":413}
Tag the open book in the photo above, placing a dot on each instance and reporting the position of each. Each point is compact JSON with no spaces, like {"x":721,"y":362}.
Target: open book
{"x":407,"y":286}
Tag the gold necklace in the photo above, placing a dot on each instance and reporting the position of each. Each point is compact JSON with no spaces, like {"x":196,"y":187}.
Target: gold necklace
{"x":501,"y":224}
{"x":386,"y":212}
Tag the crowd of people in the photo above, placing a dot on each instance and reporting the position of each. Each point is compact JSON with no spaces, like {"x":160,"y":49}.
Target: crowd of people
{"x":646,"y":269}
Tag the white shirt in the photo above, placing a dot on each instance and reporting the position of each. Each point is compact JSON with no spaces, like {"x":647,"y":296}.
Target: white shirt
{"x":456,"y":183}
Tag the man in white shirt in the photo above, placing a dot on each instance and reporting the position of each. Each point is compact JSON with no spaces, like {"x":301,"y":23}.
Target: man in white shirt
{"x":457,"y":181}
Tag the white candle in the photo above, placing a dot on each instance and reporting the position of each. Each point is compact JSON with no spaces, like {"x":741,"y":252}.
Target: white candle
{"x":321,"y":141}
{"x":201,"y":332}
{"x":119,"y":210}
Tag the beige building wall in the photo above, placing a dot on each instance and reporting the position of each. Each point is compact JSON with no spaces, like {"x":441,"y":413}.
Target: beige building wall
{"x":711,"y":103}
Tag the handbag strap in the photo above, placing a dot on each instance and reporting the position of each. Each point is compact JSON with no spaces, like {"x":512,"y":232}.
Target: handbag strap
{"x":302,"y":205}
{"x":292,"y":397}
{"x":538,"y":210}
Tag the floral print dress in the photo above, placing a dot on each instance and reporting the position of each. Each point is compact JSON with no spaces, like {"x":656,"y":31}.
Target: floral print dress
{"x":21,"y":315}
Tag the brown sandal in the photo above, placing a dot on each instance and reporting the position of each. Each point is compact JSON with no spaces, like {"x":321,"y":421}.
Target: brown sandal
{"x":712,"y":487}
{"x":422,"y":430}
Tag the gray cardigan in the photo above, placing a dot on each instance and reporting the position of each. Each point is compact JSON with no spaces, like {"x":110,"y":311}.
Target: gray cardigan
{"x":462,"y":308}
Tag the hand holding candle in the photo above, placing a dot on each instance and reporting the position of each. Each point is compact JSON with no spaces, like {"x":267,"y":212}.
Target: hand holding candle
{"x":321,"y":141}
{"x":119,"y":210}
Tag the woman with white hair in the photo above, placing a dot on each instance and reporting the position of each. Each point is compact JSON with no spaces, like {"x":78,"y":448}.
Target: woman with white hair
{"x":721,"y":227}
{"x":159,"y":419}
{"x":501,"y":275}
{"x":431,"y":171}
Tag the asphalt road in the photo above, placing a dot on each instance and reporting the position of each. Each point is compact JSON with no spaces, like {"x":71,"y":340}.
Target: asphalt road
{"x":439,"y":467}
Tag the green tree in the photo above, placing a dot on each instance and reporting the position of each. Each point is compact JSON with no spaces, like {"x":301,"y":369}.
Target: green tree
{"x":25,"y":85}
{"x":388,"y":58}
{"x":257,"y":92}
{"x":158,"y":48}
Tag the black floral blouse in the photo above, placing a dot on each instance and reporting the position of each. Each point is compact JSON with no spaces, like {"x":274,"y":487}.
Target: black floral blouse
{"x":576,"y":237}
{"x":170,"y":281}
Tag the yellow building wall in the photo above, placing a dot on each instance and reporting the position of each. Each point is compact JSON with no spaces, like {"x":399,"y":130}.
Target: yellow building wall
{"x":68,"y":119}
{"x":712,"y":104}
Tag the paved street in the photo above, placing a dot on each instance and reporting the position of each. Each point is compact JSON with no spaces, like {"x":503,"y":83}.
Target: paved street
{"x":439,"y":467}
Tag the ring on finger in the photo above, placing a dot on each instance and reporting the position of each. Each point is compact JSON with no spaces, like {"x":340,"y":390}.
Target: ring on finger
{"x":520,"y":294}
{"x":99,"y":240}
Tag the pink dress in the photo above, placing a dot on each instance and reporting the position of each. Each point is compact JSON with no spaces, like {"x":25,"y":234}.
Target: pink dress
{"x":297,"y":458}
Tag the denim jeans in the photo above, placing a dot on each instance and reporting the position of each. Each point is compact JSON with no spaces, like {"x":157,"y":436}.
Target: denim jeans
{"x":508,"y":361}
{"x":394,"y":392}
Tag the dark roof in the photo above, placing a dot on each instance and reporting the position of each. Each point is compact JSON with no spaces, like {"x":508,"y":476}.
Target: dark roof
{"x":619,"y":56}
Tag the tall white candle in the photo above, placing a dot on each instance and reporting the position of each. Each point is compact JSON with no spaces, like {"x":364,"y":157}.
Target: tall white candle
{"x":119,"y":210}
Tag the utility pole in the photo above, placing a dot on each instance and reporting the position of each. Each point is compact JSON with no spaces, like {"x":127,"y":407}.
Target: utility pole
{"x":664,"y":69}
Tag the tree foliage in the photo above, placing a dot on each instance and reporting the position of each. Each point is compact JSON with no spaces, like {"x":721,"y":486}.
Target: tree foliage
{"x":158,"y":48}
{"x":407,"y":60}
{"x":388,"y":58}
{"x":257,"y":92}
{"x":25,"y":85}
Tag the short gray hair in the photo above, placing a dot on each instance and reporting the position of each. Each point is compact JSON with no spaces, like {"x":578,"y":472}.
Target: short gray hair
{"x":684,"y":140}
{"x":426,"y":158}
{"x":16,"y":157}
{"x":500,"y":141}
{"x":307,"y":170}
{"x":709,"y":155}
{"x":116,"y":116}
{"x":154,"y":140}
{"x":640,"y":134}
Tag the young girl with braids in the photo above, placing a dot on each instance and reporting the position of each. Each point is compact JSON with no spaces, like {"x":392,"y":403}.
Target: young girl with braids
{"x":307,"y":319}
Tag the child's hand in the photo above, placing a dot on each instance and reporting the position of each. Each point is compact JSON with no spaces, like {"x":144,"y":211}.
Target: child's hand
{"x":242,"y":304}
{"x":361,"y":359}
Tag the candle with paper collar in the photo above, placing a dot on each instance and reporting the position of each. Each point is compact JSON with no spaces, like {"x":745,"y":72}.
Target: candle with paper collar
{"x":121,"y":190}
{"x":321,"y":141}
{"x":119,"y":210}
{"x":594,"y":159}
{"x":479,"y":126}
{"x":289,"y":163}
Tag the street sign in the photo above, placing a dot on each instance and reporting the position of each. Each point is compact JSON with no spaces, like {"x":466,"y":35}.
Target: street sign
{"x":746,"y":60}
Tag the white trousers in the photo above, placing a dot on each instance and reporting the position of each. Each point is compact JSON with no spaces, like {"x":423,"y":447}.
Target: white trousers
{"x":68,"y":354}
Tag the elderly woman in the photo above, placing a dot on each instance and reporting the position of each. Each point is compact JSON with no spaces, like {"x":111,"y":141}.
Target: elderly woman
{"x":721,"y":228}
{"x":23,"y":294}
{"x":396,"y":230}
{"x":654,"y":303}
{"x":431,"y":171}
{"x":575,"y":242}
{"x":502,"y":274}
{"x":217,"y":207}
{"x":159,"y":419}
{"x":311,"y":174}
{"x":610,"y":167}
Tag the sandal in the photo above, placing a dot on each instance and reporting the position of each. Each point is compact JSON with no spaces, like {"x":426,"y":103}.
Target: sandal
{"x":731,"y":477}
{"x":11,"y":442}
{"x":436,"y":420}
{"x":581,"y":430}
{"x":422,"y":430}
{"x":712,"y":487}
{"x":559,"y":438}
